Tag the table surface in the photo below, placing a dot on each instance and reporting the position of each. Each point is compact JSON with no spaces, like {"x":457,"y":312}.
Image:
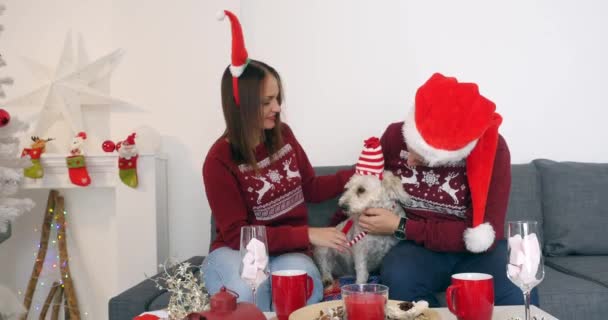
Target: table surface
{"x":500,"y":313}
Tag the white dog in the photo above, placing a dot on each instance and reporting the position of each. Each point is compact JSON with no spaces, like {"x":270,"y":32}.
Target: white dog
{"x":362,"y":192}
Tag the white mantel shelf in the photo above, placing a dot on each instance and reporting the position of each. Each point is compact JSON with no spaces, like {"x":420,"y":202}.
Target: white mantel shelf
{"x":138,"y":230}
{"x":102,"y":168}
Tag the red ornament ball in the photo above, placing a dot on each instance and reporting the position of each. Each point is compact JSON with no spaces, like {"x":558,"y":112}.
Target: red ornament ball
{"x":118,"y":145}
{"x":5,"y":118}
{"x":108,"y":146}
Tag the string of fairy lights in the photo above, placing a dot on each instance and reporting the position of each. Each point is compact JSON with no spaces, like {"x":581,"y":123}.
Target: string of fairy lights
{"x":51,"y":266}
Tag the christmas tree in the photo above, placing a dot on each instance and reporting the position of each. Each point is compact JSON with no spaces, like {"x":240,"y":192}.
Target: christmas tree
{"x":11,"y":171}
{"x":11,"y":174}
{"x":11,"y":167}
{"x":3,"y":80}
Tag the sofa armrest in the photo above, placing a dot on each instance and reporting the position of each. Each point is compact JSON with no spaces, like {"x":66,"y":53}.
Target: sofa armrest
{"x":138,"y":298}
{"x":6,"y":234}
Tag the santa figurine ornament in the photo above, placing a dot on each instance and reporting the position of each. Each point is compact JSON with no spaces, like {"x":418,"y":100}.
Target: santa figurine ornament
{"x":77,"y":168}
{"x":127,"y":161}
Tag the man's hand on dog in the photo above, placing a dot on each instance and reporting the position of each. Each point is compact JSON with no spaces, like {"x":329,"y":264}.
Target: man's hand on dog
{"x":328,"y":237}
{"x":379,"y":221}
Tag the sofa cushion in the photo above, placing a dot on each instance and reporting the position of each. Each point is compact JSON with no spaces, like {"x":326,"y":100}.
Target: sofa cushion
{"x":525,"y":198}
{"x":592,"y":268}
{"x":319,"y":214}
{"x":575,"y":207}
{"x":569,"y":297}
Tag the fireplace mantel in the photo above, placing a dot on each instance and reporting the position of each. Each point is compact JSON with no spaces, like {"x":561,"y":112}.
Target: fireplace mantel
{"x":102,"y":168}
{"x":137,"y":231}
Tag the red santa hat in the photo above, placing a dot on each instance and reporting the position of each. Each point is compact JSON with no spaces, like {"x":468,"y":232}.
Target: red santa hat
{"x":451,"y":121}
{"x":240,"y":58}
{"x":81,"y":135}
{"x":371,"y":161}
{"x":130,"y":140}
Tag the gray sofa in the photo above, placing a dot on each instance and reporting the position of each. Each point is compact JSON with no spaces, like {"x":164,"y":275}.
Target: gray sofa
{"x":570,"y":200}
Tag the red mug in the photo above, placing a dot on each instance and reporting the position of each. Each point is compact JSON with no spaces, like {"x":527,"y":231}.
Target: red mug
{"x":290,"y":291}
{"x":471,"y":296}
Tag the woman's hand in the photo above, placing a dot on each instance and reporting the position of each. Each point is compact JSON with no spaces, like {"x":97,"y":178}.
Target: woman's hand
{"x":379,"y":221}
{"x":328,"y":237}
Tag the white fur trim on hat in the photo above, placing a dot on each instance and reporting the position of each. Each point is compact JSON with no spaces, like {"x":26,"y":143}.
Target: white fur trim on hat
{"x":431,"y":154}
{"x":236,"y":71}
{"x":480,"y":238}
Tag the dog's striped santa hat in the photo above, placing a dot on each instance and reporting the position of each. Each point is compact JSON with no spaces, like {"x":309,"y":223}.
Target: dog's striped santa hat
{"x":452,"y":121}
{"x":371,"y":161}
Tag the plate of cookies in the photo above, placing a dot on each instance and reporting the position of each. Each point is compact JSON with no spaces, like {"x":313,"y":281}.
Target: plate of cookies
{"x":395,"y":310}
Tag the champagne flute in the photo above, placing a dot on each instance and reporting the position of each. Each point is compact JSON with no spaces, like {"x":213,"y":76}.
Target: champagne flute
{"x":525,"y":267}
{"x":254,"y":257}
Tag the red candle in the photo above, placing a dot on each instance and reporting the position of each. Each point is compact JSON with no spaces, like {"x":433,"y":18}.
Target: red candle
{"x":365,"y":306}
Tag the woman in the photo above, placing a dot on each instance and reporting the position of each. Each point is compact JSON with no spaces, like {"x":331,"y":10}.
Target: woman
{"x":257,"y":173}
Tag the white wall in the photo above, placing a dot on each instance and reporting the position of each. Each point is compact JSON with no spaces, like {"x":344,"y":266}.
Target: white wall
{"x":357,"y":65}
{"x":349,"y":67}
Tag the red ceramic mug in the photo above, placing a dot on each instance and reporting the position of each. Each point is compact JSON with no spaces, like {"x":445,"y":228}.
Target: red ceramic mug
{"x":471,"y":296}
{"x":290,"y":291}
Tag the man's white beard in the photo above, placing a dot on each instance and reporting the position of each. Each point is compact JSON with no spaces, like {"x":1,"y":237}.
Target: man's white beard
{"x":127,"y":152}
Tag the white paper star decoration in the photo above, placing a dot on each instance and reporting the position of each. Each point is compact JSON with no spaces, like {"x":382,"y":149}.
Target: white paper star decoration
{"x":74,"y":83}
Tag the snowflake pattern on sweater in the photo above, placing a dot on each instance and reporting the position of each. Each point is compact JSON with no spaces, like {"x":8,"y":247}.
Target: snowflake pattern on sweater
{"x":439,"y":189}
{"x":277,"y":188}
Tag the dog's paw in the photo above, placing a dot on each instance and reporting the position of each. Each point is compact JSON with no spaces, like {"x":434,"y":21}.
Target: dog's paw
{"x":331,"y":287}
{"x":327,"y":282}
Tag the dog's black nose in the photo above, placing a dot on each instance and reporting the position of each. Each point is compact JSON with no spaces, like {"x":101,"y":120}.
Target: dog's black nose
{"x":344,"y":207}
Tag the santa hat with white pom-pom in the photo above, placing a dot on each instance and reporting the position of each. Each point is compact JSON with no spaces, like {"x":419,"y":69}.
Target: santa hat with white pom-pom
{"x":81,"y":136}
{"x":452,"y":121}
{"x":240,"y":58}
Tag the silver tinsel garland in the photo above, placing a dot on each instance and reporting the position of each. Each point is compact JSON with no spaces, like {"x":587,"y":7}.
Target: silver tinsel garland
{"x":188,"y":293}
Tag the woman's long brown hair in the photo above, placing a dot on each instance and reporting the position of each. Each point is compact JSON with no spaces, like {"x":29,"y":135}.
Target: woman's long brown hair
{"x":244,"y":123}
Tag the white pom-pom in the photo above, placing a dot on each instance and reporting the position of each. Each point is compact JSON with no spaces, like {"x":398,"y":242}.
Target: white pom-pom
{"x":220,"y":15}
{"x":480,"y":238}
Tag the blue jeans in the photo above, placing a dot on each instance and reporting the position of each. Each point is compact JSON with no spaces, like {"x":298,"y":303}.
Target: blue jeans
{"x":221,"y":268}
{"x":413,"y":272}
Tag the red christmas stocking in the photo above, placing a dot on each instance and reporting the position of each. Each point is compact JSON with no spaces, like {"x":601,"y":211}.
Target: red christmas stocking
{"x":127,"y":170}
{"x":78,"y":171}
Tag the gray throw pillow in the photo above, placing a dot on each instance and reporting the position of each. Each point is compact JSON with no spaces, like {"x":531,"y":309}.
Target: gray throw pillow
{"x":575,"y":207}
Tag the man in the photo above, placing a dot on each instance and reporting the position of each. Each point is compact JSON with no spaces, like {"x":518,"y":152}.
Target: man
{"x":457,"y":169}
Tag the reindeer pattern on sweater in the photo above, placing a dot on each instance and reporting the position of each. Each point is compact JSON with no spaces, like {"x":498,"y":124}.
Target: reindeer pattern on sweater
{"x":276,"y":188}
{"x":441,"y":190}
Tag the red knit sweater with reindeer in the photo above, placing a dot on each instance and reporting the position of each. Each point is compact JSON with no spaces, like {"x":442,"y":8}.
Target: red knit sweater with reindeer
{"x":440,"y":210}
{"x":274,"y":197}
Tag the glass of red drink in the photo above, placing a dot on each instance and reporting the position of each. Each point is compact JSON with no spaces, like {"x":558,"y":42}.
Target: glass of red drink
{"x":365,"y":301}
